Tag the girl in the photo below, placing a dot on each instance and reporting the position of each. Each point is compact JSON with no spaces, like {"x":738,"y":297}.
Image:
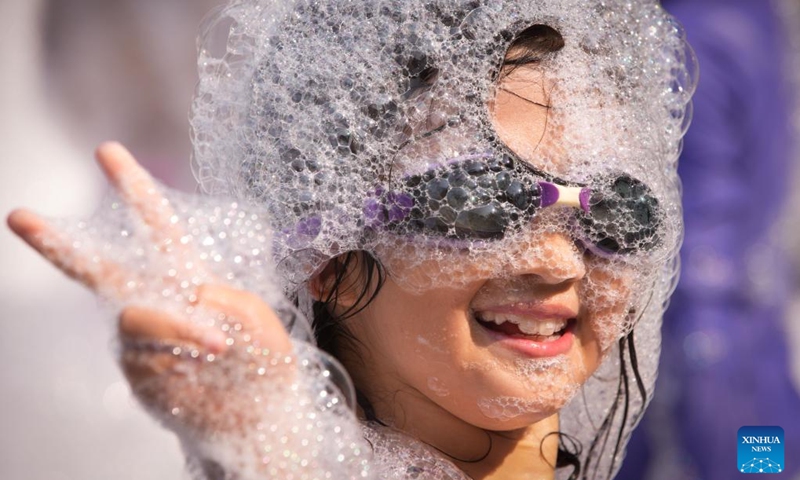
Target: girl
{"x":471,"y":206}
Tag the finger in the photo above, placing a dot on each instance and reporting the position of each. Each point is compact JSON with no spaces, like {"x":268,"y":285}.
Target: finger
{"x":59,"y":250}
{"x":26,"y":224}
{"x":141,"y":323}
{"x":138,"y":189}
{"x":256,"y":317}
{"x":149,"y":339}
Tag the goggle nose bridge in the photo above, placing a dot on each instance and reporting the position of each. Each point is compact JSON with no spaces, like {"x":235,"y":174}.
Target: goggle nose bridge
{"x":554,"y":194}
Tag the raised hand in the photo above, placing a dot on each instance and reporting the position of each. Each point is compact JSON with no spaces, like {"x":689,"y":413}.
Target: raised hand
{"x":150,"y":335}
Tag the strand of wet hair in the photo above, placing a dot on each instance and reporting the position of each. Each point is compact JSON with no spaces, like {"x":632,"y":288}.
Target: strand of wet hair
{"x":568,"y":455}
{"x":635,"y":368}
{"x":632,"y":352}
{"x":629,"y":340}
{"x":602,"y":434}
{"x":642,"y":392}
{"x":626,"y":407}
{"x":605,"y":428}
{"x":622,"y":391}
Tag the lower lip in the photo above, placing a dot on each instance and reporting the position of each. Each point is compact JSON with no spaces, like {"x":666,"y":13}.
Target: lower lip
{"x":532,"y":348}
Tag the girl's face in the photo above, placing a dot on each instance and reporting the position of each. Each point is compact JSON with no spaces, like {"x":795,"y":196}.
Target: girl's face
{"x":499,"y":353}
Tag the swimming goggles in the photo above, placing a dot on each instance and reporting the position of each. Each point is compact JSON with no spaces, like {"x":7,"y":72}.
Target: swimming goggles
{"x":483,"y":196}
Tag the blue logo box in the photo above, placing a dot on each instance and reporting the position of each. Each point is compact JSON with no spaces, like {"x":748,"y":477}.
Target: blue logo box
{"x":760,"y":450}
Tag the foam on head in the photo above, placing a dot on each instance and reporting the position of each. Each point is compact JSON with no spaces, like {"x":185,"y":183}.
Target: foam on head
{"x":354,"y":125}
{"x":338,"y":126}
{"x":331,"y":114}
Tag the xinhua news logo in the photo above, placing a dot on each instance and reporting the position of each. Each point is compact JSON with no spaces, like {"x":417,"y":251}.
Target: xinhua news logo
{"x":760,"y":450}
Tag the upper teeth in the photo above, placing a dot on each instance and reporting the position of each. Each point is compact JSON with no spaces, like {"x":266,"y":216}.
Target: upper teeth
{"x":526,"y":325}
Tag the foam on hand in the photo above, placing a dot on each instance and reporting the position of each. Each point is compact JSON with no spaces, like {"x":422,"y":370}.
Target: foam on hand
{"x":321,"y":127}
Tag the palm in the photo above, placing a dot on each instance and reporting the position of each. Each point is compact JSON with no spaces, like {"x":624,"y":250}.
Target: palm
{"x":152,"y":371}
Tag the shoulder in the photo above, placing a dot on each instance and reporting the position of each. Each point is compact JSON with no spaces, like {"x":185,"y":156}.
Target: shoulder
{"x":397,"y":456}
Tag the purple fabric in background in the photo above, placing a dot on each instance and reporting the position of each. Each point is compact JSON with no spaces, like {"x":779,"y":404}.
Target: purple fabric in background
{"x":725,"y":362}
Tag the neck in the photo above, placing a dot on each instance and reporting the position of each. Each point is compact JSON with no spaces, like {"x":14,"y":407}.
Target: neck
{"x":527,"y":453}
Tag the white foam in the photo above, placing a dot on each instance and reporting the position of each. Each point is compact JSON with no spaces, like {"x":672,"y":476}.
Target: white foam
{"x":306,"y":114}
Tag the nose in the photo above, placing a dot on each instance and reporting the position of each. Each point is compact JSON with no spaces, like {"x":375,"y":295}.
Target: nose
{"x":552,"y":257}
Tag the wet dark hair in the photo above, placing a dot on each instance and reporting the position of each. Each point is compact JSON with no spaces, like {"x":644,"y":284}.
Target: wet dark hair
{"x":626,"y":345}
{"x":352,"y":270}
{"x":361,"y":271}
{"x":533,"y":45}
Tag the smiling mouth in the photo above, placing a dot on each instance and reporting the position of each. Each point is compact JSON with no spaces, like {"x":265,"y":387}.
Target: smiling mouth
{"x":515,"y":326}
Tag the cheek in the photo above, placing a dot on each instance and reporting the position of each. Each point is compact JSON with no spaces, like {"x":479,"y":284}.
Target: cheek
{"x":436,"y":264}
{"x":606,"y":293}
{"x":438,"y":358}
{"x":419,"y":332}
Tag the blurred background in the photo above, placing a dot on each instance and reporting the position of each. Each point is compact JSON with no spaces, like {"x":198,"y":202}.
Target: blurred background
{"x":77,"y":72}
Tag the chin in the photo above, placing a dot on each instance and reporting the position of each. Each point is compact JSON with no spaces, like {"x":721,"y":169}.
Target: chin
{"x":523,"y":395}
{"x":518,"y":422}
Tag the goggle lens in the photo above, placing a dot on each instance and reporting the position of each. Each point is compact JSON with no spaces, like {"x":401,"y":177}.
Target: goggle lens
{"x":624,"y":217}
